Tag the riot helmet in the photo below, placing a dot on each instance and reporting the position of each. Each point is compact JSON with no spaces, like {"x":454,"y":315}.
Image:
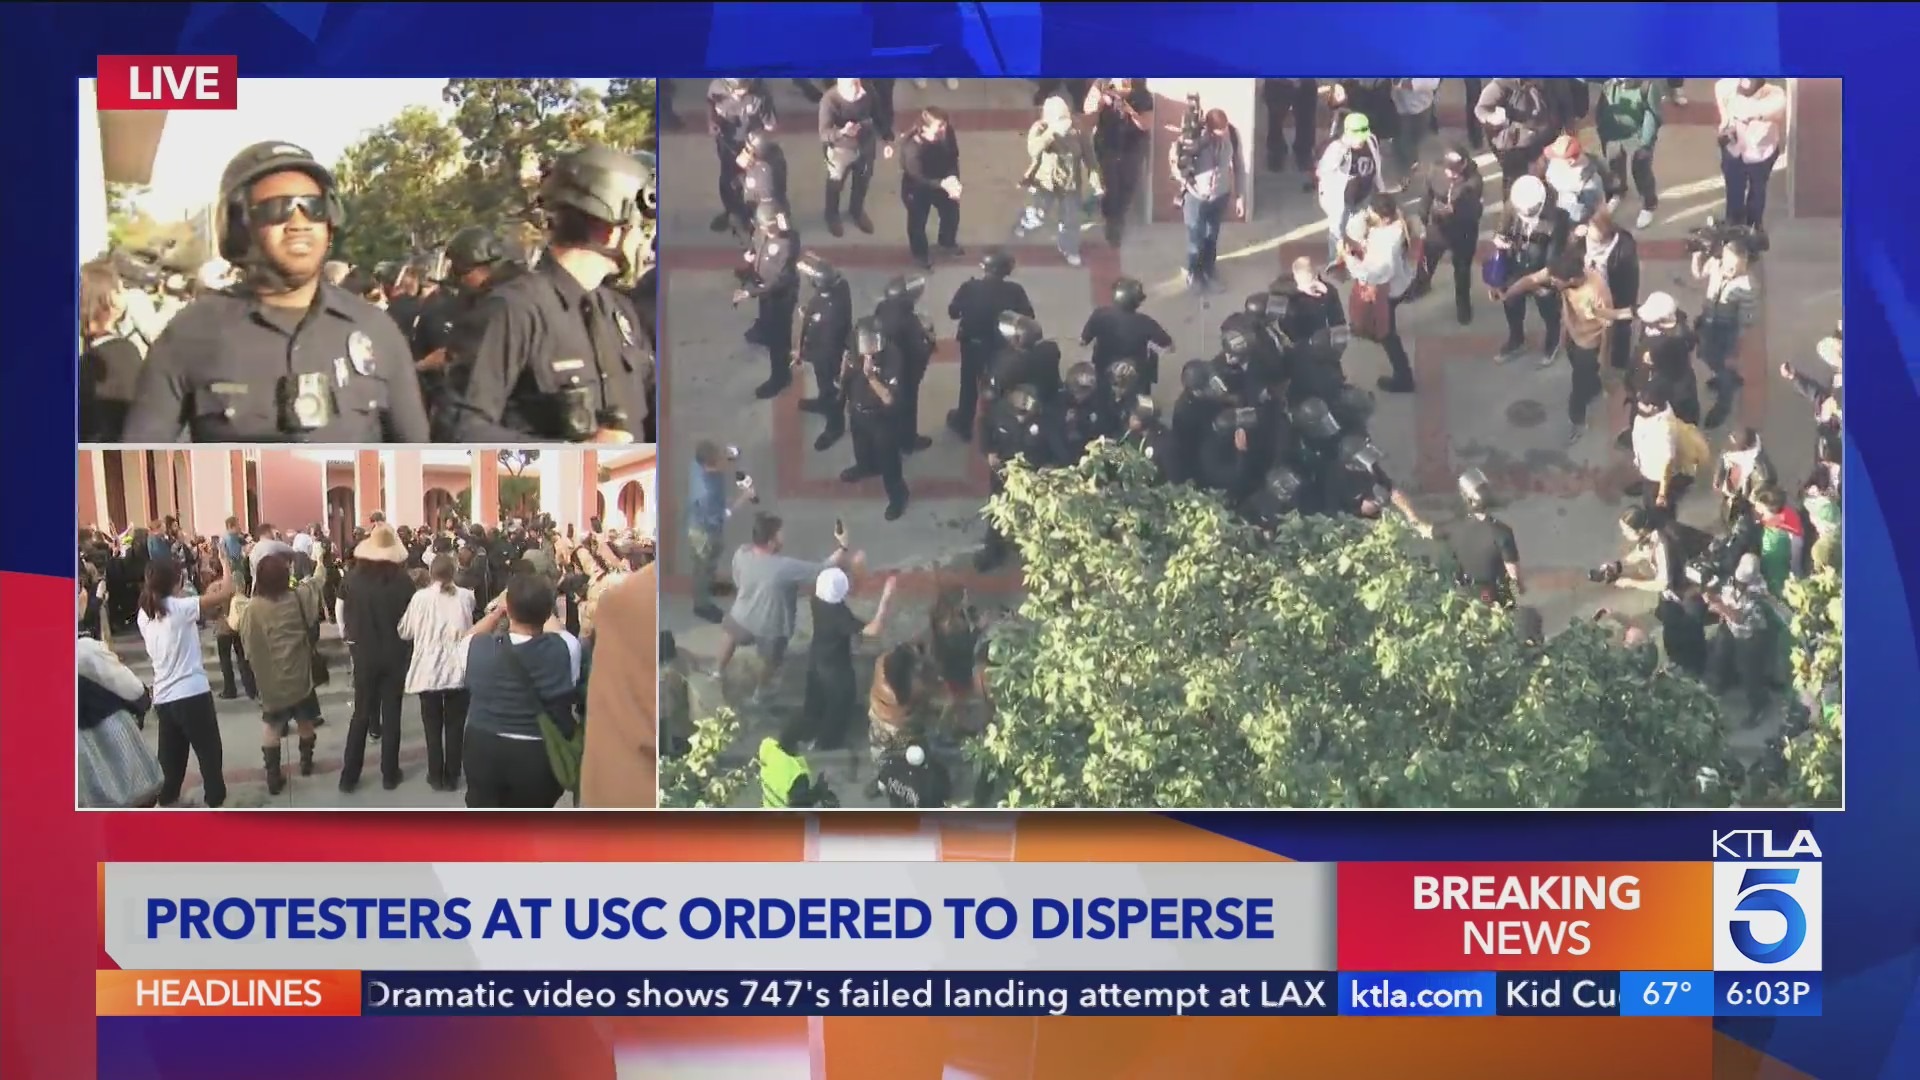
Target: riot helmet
{"x":1124,"y":377}
{"x":1260,"y":306}
{"x":1236,"y":345}
{"x":1020,"y":331}
{"x":1023,"y":400}
{"x":472,"y":247}
{"x":868,"y":338}
{"x":1314,"y":421}
{"x":760,"y":144}
{"x":908,"y":286}
{"x":1129,"y":294}
{"x":1283,"y":487}
{"x":819,"y":273}
{"x":232,"y":216}
{"x":604,"y":184}
{"x":1352,"y":407}
{"x":770,"y":216}
{"x":997,"y":263}
{"x":1082,"y":381}
{"x":1476,"y":491}
{"x":1194,"y":375}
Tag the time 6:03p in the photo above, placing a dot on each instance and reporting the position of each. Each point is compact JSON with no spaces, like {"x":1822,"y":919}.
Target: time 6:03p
{"x":1773,"y":992}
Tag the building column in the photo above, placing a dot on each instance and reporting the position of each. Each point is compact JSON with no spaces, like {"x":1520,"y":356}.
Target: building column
{"x":167,"y":499}
{"x":589,"y":485}
{"x":367,"y":495}
{"x":405,"y":493}
{"x":133,"y":486}
{"x":1238,"y":98}
{"x":483,"y":489}
{"x":237,"y":488}
{"x":92,"y":482}
{"x":1813,"y":148}
{"x":210,"y":472}
{"x":560,"y":488}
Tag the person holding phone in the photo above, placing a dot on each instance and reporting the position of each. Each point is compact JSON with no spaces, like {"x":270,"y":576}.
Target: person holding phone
{"x":767,"y":583}
{"x":709,"y":505}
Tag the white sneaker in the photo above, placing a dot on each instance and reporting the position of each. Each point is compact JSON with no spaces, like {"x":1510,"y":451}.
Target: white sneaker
{"x":953,"y":84}
{"x":1643,"y":219}
{"x":1679,"y":97}
{"x":1547,"y":359}
{"x":919,"y":84}
{"x":1072,"y":260}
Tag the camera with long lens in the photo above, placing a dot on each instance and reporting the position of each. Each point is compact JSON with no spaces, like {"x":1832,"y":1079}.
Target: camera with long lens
{"x":1187,"y":146}
{"x":1710,"y":238}
{"x":303,"y":403}
{"x":1713,"y":567}
{"x":1606,"y":573}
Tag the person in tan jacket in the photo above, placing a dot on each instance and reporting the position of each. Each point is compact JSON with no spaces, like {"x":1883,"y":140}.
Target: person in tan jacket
{"x":617,"y":769}
{"x":1062,"y":175}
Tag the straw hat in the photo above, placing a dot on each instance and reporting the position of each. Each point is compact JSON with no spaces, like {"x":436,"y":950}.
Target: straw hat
{"x":381,"y":545}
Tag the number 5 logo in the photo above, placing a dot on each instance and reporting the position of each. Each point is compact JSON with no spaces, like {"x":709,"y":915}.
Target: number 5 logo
{"x":1758,"y":893}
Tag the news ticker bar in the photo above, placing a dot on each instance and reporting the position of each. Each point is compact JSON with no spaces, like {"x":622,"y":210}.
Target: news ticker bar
{"x":957,"y":993}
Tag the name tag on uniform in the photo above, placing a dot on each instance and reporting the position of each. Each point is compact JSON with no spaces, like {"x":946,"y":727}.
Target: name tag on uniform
{"x":569,"y":365}
{"x":229,"y":389}
{"x":340,"y":372}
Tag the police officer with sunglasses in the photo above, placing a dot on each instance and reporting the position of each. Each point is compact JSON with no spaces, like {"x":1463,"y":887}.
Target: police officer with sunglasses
{"x":559,"y":354}
{"x":283,"y":356}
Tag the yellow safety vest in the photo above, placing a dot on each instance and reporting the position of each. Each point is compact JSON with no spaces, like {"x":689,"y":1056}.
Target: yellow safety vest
{"x":778,"y":772}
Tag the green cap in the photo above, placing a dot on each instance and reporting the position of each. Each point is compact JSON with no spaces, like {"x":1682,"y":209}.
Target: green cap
{"x":1357,"y":124}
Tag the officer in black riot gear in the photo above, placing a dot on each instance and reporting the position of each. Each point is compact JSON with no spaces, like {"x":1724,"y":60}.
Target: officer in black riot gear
{"x":559,"y":353}
{"x":477,"y":261}
{"x":1013,"y":429}
{"x":1486,"y":557}
{"x":1026,"y":358}
{"x":874,"y":380}
{"x":283,"y":356}
{"x":1145,"y":431}
{"x":978,"y":306}
{"x":771,"y":279}
{"x":1352,"y":407}
{"x":1265,"y":356}
{"x":1080,"y":415}
{"x":826,"y":331}
{"x":763,"y":170}
{"x":1121,"y":331}
{"x":1315,"y":451}
{"x":1358,"y":484}
{"x":736,"y":110}
{"x":1202,"y":396}
{"x":1277,"y":498}
{"x":909,"y":333}
{"x":1231,"y":455}
{"x":1123,"y":386}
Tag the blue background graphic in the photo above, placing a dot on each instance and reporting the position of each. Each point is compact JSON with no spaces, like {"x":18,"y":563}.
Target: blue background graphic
{"x":1872,"y":878}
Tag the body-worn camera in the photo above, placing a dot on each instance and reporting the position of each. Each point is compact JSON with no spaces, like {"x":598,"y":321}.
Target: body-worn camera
{"x":1711,"y":237}
{"x":1187,"y":148}
{"x":303,"y":403}
{"x":574,"y":413}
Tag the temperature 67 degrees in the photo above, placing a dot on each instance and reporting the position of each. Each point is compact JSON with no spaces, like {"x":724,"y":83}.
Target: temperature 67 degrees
{"x":1664,"y":991}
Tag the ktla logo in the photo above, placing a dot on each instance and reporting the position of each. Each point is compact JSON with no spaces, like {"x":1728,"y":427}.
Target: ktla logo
{"x":167,"y":82}
{"x":1766,"y":915}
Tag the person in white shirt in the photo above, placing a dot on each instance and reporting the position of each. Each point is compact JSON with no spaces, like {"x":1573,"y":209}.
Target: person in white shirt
{"x":437,"y":621}
{"x":169,"y":623}
{"x":1379,"y":255}
{"x":1753,"y":131}
{"x":1413,"y":99}
{"x":141,"y":322}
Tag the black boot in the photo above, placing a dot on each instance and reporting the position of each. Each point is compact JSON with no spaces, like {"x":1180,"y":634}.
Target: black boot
{"x":276,"y":780}
{"x":306,"y":754}
{"x":836,"y":428}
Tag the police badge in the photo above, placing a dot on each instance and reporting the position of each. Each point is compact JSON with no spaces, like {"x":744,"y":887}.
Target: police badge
{"x":360,"y":351}
{"x":626,"y":328}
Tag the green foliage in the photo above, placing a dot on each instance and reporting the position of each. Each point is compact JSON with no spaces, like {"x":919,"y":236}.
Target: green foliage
{"x":398,"y":186}
{"x":411,"y":184}
{"x":1816,"y":748}
{"x":697,"y":778}
{"x":1168,"y":655}
{"x":519,"y":496}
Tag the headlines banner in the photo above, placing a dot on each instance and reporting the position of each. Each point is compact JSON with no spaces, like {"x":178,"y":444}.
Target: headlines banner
{"x":949,"y":939}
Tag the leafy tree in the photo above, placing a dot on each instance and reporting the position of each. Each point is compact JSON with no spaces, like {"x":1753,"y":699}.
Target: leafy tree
{"x":629,"y":123}
{"x":1815,"y":748}
{"x":399,"y":187}
{"x":519,"y":496}
{"x":1168,"y":655}
{"x":697,"y":778}
{"x":510,"y":128}
{"x":124,"y":215}
{"x":516,"y":461}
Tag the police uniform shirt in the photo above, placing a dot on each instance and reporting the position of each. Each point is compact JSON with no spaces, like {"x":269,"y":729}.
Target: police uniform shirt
{"x":1156,"y":442}
{"x":827,"y":323}
{"x":1118,"y":334}
{"x":213,"y":372}
{"x":902,"y":327}
{"x":1075,"y":424}
{"x":889,"y":370}
{"x":979,"y":303}
{"x":1008,"y":434}
{"x":531,"y":344}
{"x":1483,"y":548}
{"x":764,"y":181}
{"x":736,"y":117}
{"x":435,"y":327}
{"x":771,"y":263}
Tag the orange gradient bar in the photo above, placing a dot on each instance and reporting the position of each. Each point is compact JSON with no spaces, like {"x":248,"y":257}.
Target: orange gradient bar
{"x":226,"y":993}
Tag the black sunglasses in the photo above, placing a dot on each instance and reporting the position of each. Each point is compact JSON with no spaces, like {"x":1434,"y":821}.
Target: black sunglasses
{"x":279,"y":210}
